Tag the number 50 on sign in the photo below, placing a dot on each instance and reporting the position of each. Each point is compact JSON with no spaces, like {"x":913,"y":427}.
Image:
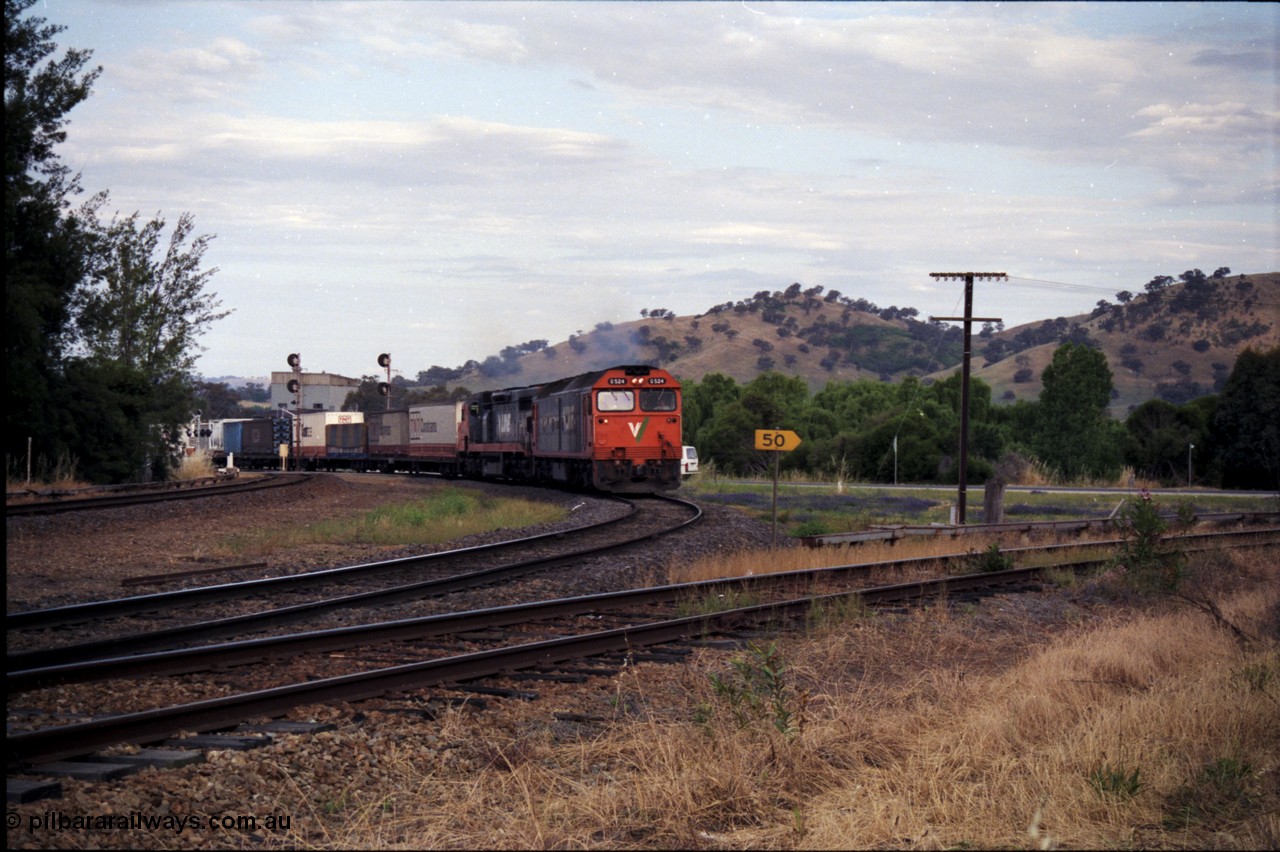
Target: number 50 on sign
{"x":781,"y":440}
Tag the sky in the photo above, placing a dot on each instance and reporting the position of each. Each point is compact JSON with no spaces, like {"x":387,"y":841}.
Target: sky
{"x":440,"y":180}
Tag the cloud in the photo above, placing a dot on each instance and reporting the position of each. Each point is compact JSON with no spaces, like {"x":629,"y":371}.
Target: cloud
{"x":619,"y":155}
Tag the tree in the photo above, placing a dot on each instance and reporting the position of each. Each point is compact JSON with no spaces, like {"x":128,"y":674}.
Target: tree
{"x":143,"y":308}
{"x":1247,"y":422}
{"x":217,"y":400}
{"x":123,"y":425}
{"x":138,"y":317}
{"x":1074,"y":433}
{"x":46,"y":246}
{"x":255,"y":392}
{"x":1159,"y":434}
{"x":368,"y":396}
{"x":100,"y":323}
{"x":702,"y":400}
{"x":769,"y":401}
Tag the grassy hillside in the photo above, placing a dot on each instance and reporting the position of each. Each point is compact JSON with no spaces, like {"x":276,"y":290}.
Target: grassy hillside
{"x":1177,"y":340}
{"x":801,"y":333}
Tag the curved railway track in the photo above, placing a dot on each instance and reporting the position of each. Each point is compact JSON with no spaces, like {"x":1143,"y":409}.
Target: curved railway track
{"x":793,"y":595}
{"x":114,"y":496}
{"x":401,"y":580}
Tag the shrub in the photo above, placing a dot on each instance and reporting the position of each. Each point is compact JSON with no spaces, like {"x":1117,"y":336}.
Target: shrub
{"x":990,"y":560}
{"x":756,"y":689}
{"x":1146,"y":560}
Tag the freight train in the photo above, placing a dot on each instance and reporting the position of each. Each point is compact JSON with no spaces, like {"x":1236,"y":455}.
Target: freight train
{"x":614,"y":430}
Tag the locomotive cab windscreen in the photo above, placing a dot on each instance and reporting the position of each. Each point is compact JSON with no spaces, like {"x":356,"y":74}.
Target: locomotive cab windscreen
{"x":657,"y":399}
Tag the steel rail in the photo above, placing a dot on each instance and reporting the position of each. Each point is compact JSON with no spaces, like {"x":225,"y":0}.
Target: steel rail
{"x":896,"y":532}
{"x":169,"y":637}
{"x":201,"y":658}
{"x":218,"y":713}
{"x":154,"y":495}
{"x":116,"y":607}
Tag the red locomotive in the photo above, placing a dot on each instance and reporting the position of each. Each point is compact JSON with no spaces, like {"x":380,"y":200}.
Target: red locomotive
{"x":615,"y":430}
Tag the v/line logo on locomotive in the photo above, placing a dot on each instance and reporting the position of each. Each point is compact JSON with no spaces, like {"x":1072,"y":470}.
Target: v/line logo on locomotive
{"x":637,"y":429}
{"x":616,"y":430}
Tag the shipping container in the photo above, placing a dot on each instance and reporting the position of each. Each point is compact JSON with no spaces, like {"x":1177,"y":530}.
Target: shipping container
{"x":258,"y":437}
{"x":433,"y":429}
{"x":388,"y":433}
{"x":345,"y":440}
{"x":314,"y":429}
{"x":249,"y":437}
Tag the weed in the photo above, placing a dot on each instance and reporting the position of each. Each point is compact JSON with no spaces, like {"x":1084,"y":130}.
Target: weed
{"x":333,"y":806}
{"x":1147,"y":561}
{"x":716,"y":602}
{"x":61,"y":473}
{"x":1115,"y":783}
{"x":832,"y":611}
{"x":1186,"y":512}
{"x":1219,"y":792}
{"x":757,"y":690}
{"x":1063,"y":578}
{"x":1259,"y":678}
{"x":798,"y":823}
{"x":990,"y":560}
{"x":811,"y":527}
{"x":198,"y":466}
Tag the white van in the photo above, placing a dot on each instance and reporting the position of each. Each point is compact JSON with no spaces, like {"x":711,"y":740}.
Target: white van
{"x":689,"y":464}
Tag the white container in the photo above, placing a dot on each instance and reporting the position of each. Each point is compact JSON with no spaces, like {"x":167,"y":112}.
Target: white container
{"x":433,"y":428}
{"x":313,"y":423}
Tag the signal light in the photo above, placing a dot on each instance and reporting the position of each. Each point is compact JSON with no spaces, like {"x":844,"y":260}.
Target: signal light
{"x":293,"y":385}
{"x":295,"y":360}
{"x":384,"y":360}
{"x":384,"y":388}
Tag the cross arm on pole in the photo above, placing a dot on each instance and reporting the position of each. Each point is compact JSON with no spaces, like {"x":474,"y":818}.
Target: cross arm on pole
{"x":961,"y":276}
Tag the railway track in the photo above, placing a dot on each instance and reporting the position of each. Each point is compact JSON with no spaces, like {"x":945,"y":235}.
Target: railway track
{"x":117,"y":496}
{"x":409,"y":579}
{"x":636,"y":629}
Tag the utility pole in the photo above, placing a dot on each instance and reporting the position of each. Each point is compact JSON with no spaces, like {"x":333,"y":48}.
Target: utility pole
{"x":968,"y":319}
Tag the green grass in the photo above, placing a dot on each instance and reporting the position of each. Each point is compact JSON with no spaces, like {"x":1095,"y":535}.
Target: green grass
{"x":445,"y":516}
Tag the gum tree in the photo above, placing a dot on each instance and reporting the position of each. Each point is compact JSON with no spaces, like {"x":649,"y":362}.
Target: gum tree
{"x":47,"y":247}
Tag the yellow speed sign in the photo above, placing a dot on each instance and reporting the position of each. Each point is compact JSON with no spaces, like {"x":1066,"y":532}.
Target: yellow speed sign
{"x":782,"y":440}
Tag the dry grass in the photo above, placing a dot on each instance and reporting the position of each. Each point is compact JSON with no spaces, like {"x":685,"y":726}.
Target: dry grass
{"x":1154,"y":729}
{"x":60,"y":474}
{"x":195,"y":466}
{"x":745,"y":563}
{"x":748,"y":562}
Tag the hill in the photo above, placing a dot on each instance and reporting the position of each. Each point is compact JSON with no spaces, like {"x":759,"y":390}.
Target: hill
{"x":807,"y":333}
{"x":1176,"y":340}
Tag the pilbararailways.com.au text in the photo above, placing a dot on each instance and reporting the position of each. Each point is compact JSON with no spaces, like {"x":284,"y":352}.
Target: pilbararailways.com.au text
{"x":60,"y":821}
